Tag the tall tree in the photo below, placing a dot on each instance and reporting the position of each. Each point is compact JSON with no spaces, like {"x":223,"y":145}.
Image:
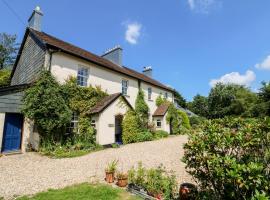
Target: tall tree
{"x":262,"y":107}
{"x":8,"y":50}
{"x":179,"y":99}
{"x":199,"y":105}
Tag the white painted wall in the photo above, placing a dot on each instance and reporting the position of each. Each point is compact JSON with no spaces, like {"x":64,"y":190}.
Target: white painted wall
{"x":164,"y":125}
{"x":106,"y":122}
{"x":30,"y":136}
{"x":155,"y":93}
{"x":2,"y":123}
{"x":64,"y":66}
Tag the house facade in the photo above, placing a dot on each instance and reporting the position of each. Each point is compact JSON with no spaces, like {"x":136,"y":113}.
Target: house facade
{"x":40,"y":51}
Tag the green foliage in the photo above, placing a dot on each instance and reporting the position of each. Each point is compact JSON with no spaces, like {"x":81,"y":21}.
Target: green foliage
{"x":156,"y":181}
{"x":230,"y":158}
{"x":44,"y":104}
{"x":178,"y":119}
{"x":262,"y":108}
{"x":112,"y":166}
{"x":160,"y":100}
{"x":4,"y":77}
{"x":196,"y":121}
{"x":179,"y":99}
{"x":141,"y":109}
{"x":160,"y":134}
{"x":84,"y":191}
{"x":86,"y":134}
{"x":8,"y":50}
{"x":199,"y":106}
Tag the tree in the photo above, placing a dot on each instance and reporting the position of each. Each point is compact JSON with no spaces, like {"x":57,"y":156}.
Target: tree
{"x":8,"y":50}
{"x":179,"y":99}
{"x":262,"y":108}
{"x":4,"y":77}
{"x":199,"y":105}
{"x":230,"y":99}
{"x":141,"y":108}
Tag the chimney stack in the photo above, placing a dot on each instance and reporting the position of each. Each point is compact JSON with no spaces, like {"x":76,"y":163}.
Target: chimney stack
{"x":148,"y":71}
{"x":114,"y":55}
{"x":35,"y":19}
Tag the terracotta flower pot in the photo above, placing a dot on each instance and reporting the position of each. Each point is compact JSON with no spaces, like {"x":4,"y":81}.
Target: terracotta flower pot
{"x":109,"y":177}
{"x":187,"y":191}
{"x":155,"y":195}
{"x":122,"y":182}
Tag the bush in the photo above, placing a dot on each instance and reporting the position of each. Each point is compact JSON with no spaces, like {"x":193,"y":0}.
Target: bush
{"x":230,"y":157}
{"x":131,"y":128}
{"x":160,"y":134}
{"x":196,"y":121}
{"x":4,"y":77}
{"x":141,"y":109}
{"x":185,"y":119}
{"x":144,"y":136}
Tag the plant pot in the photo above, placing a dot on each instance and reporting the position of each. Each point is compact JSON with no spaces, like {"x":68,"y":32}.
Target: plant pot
{"x":109,"y":177}
{"x":187,"y":191}
{"x":155,"y":195}
{"x":122,"y":182}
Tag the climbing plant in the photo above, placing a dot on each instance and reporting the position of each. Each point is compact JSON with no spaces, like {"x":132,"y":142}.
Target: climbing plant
{"x":141,"y":109}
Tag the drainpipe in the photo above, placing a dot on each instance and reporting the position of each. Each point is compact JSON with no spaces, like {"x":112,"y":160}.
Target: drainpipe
{"x":51,"y":52}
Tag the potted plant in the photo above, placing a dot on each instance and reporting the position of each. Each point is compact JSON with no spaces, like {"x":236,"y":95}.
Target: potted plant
{"x":110,"y":170}
{"x":122,"y":179}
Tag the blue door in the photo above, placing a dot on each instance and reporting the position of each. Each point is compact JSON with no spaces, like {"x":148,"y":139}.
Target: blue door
{"x":12,"y":132}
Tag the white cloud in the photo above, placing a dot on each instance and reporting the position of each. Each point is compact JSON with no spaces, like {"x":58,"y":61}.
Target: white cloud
{"x":133,"y":32}
{"x":265,"y":64}
{"x":236,"y":78}
{"x":203,"y":6}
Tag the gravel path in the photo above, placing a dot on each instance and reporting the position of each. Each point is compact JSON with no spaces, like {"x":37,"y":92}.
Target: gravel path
{"x":30,"y":173}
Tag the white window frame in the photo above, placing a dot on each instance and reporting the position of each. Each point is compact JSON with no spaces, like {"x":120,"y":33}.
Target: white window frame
{"x":124,"y":87}
{"x":158,"y":122}
{"x":93,"y":123}
{"x":82,"y":76}
{"x":73,"y":126}
{"x":166,"y":95}
{"x":149,"y":93}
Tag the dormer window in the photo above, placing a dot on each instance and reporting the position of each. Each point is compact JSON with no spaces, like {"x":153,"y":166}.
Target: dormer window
{"x":124,"y":87}
{"x":82,"y":76}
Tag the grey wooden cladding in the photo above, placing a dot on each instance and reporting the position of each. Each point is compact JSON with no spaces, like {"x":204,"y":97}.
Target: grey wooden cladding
{"x":30,"y":63}
{"x":11,"y":102}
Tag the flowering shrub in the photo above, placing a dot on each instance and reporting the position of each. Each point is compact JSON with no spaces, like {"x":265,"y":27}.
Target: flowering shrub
{"x":230,"y":157}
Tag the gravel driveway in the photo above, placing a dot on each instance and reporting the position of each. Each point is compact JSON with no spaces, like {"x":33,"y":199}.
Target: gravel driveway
{"x":30,"y":173}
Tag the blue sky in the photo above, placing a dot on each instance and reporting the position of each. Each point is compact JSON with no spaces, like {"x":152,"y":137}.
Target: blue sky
{"x":191,"y":44}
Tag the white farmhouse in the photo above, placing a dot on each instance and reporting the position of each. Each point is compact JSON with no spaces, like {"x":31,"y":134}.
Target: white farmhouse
{"x":41,"y":51}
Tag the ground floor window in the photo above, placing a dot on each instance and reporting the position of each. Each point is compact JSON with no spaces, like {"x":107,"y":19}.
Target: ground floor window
{"x":158,"y":123}
{"x":73,"y":125}
{"x":93,"y":123}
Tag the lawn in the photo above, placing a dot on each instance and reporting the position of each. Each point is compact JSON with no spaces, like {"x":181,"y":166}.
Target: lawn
{"x":84,"y":191}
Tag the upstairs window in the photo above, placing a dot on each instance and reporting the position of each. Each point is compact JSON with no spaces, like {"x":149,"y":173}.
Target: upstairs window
{"x":82,"y":76}
{"x":124,"y":87}
{"x":73,"y":125}
{"x":166,"y":95}
{"x":149,"y":93}
{"x":158,"y":123}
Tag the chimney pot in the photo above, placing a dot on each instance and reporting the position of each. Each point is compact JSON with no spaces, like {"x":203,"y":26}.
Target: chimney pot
{"x":148,"y":71}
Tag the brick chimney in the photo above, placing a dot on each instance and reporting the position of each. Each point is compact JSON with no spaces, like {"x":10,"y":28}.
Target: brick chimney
{"x":35,"y":19}
{"x":114,"y":55}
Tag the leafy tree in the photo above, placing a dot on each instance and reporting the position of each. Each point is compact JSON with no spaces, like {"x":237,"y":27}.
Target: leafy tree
{"x":141,"y":108}
{"x":179,"y":99}
{"x":44,"y":104}
{"x":263,"y":105}
{"x":8,"y":50}
{"x":199,"y":105}
{"x":230,"y":99}
{"x":4,"y":77}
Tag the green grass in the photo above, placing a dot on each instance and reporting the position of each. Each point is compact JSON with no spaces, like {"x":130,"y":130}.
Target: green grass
{"x":84,"y":191}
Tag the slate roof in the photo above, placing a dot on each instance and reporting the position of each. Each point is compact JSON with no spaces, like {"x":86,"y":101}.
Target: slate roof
{"x":161,"y":110}
{"x":61,"y":45}
{"x":105,"y":102}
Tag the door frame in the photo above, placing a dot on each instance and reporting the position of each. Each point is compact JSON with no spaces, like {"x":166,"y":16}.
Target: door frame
{"x":4,"y":130}
{"x":115,"y":118}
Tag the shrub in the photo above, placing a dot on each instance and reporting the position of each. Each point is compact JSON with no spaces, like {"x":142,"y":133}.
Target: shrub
{"x":160,"y":134}
{"x":131,"y":127}
{"x":160,"y":100}
{"x":141,"y":109}
{"x":144,"y":136}
{"x":185,"y":119}
{"x":230,"y":157}
{"x":196,"y":121}
{"x":4,"y":77}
